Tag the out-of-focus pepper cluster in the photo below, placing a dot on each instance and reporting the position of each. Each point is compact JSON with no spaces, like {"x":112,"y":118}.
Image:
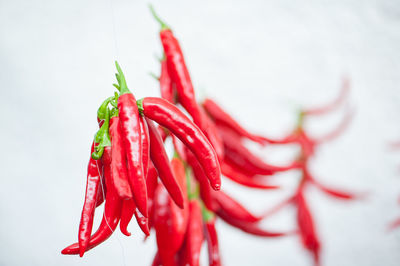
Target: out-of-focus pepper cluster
{"x":180,"y":199}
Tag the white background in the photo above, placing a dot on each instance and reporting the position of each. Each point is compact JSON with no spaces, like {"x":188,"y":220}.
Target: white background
{"x":259,"y":59}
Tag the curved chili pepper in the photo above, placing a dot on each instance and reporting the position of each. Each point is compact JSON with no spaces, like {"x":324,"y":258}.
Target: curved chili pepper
{"x":244,"y":159}
{"x":305,"y":222}
{"x":205,"y":190}
{"x":128,"y":209}
{"x":178,"y":71}
{"x":194,"y":235}
{"x":119,"y":173}
{"x":250,"y":228}
{"x":234,"y":209}
{"x":92,"y":185}
{"x":214,"y":256}
{"x":166,"y":87}
{"x":243,"y":179}
{"x":221,"y":116}
{"x":145,"y":145}
{"x":169,"y":116}
{"x":143,"y":222}
{"x":160,"y":160}
{"x":112,"y":212}
{"x":131,"y":136}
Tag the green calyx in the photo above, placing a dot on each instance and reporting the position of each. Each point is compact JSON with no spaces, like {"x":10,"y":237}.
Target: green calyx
{"x":163,"y":25}
{"x":101,"y":112}
{"x":102,"y":137}
{"x":139,"y":104}
{"x":122,"y":87}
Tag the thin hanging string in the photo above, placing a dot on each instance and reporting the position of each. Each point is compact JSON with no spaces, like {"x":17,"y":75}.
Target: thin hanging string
{"x":114,"y":30}
{"x":105,"y":219}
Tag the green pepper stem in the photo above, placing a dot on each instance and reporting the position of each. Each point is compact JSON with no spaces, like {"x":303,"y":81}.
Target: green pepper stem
{"x":163,"y":25}
{"x":139,"y":104}
{"x":207,"y":214}
{"x":123,"y":88}
{"x":102,"y":137}
{"x":101,"y":112}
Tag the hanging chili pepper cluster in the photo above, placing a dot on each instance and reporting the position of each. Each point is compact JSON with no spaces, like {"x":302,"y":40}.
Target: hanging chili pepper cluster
{"x":128,"y":158}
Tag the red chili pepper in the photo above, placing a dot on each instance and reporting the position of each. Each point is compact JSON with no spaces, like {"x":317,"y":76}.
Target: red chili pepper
{"x":340,"y":194}
{"x":151,"y":182}
{"x":92,"y":185}
{"x":305,"y":222}
{"x":160,"y":160}
{"x":112,"y":212}
{"x":173,"y":119}
{"x":128,"y":209}
{"x":220,"y":116}
{"x":214,"y":256}
{"x":119,"y":173}
{"x":194,"y":235}
{"x":170,"y":222}
{"x":205,"y":190}
{"x":131,"y":136}
{"x":243,"y":179}
{"x":212,"y":134}
{"x":393,"y":225}
{"x":234,"y":209}
{"x":178,"y":72}
{"x":244,"y":159}
{"x":156,"y":261}
{"x":143,"y":222}
{"x":145,"y":145}
{"x":166,"y":86}
{"x":250,"y":228}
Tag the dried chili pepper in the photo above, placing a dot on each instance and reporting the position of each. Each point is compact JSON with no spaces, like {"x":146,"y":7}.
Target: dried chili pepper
{"x":170,"y":117}
{"x":131,"y":136}
{"x":161,"y":162}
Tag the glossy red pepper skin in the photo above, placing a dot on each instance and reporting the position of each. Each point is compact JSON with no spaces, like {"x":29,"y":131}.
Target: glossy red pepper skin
{"x":173,"y":119}
{"x":212,"y":134}
{"x":89,"y":206}
{"x":145,"y":145}
{"x":151,"y":182}
{"x":119,"y":172}
{"x":166,"y":86}
{"x":235,"y":174}
{"x":221,"y":116}
{"x":131,"y":135}
{"x":160,"y":160}
{"x":112,"y":212}
{"x":170,"y":222}
{"x":128,"y":209}
{"x":143,"y":222}
{"x":214,"y":256}
{"x":307,"y":230}
{"x":234,"y":209}
{"x":180,"y":75}
{"x":194,"y":235}
{"x":205,"y":190}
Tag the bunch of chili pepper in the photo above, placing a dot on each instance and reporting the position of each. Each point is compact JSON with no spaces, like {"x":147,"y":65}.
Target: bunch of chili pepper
{"x":128,"y":156}
{"x":237,"y":163}
{"x":306,"y":225}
